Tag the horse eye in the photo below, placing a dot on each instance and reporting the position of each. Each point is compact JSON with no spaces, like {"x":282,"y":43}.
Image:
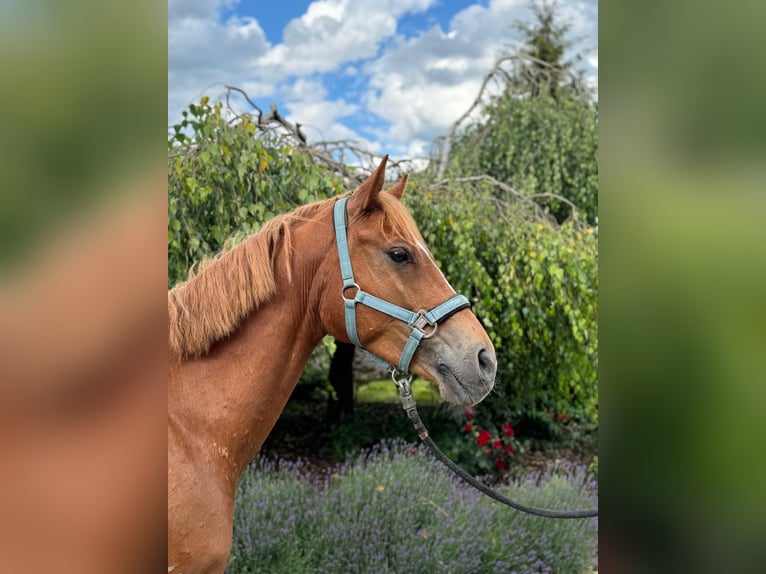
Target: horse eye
{"x":399,"y":255}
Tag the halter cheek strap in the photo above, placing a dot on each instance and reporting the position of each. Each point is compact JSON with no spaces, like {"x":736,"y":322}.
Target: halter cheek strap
{"x":423,"y":324}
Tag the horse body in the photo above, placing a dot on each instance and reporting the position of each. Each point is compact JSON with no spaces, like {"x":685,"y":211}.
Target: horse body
{"x":221,"y":408}
{"x":225,"y":395}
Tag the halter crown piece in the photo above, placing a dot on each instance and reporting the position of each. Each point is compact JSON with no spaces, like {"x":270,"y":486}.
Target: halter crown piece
{"x":423,"y":324}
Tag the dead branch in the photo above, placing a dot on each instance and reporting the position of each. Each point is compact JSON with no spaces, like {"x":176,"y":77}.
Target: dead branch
{"x":514,"y":195}
{"x":230,"y":89}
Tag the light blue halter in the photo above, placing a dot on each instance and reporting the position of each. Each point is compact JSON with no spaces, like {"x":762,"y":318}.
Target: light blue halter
{"x":418,"y":322}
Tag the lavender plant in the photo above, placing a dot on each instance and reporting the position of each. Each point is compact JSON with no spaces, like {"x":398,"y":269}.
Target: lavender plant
{"x":395,"y":510}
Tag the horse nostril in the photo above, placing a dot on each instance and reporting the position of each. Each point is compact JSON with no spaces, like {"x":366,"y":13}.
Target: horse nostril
{"x":486,"y":362}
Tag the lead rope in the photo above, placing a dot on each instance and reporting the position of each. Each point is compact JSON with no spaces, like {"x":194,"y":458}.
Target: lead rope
{"x":410,"y":407}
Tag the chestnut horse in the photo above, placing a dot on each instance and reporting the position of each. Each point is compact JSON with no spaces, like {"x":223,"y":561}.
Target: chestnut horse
{"x":243,"y":327}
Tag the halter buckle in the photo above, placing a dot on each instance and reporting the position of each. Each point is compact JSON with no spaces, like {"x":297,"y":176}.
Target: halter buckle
{"x":422,"y":321}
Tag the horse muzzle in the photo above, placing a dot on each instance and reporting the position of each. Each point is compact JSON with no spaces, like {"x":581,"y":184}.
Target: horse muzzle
{"x":464,"y":374}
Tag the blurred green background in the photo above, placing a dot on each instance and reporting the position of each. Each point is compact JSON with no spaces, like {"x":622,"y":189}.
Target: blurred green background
{"x":683,"y":142}
{"x":82,"y":111}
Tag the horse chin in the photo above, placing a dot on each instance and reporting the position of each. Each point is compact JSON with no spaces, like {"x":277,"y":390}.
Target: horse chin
{"x":453,"y":388}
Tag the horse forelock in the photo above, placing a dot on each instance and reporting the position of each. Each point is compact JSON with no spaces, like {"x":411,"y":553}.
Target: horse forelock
{"x":396,"y":221}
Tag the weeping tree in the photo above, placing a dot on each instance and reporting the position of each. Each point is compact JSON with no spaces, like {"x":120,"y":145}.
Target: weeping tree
{"x":509,"y":207}
{"x":533,"y":284}
{"x":539,"y":135}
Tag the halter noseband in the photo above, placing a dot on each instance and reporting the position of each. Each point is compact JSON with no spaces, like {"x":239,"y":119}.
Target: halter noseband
{"x":418,"y":322}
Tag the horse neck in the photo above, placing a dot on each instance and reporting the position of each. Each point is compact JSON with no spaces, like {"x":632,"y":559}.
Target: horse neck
{"x":231,"y":398}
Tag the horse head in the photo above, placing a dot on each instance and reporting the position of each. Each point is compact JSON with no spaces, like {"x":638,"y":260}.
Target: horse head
{"x":391,"y":264}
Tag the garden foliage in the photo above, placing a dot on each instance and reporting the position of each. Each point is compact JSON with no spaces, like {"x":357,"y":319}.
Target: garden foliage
{"x":533,"y":284}
{"x":226,"y":178}
{"x":396,"y":510}
{"x":538,"y":145}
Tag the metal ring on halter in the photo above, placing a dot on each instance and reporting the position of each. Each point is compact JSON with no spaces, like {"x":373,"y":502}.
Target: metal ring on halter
{"x":402,"y":383}
{"x":346,"y":287}
{"x":421,"y":321}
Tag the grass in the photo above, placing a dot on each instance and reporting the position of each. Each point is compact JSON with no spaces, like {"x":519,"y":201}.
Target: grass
{"x":393,"y":509}
{"x":386,"y":392}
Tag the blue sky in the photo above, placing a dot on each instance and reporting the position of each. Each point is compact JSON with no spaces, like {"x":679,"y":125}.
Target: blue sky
{"x":390,"y":74}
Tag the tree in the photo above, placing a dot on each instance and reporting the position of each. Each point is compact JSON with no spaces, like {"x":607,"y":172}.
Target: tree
{"x":543,"y":148}
{"x":509,"y":210}
{"x":539,"y":136}
{"x":226,"y":178}
{"x":546,"y":44}
{"x":532,"y":280}
{"x":532,"y":283}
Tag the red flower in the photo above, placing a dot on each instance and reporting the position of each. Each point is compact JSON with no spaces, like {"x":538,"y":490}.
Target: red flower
{"x":508,"y":448}
{"x":468,"y":412}
{"x":500,"y":465}
{"x":484,"y":437}
{"x":496,"y":443}
{"x":508,"y":429}
{"x":468,"y":428}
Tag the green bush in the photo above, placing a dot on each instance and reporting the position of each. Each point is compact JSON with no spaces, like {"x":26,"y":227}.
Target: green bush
{"x":533,"y":281}
{"x":533,"y":285}
{"x":225,"y":179}
{"x":395,"y":510}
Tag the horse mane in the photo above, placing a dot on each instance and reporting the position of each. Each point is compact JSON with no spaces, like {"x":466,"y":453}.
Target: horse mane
{"x":224,"y":290}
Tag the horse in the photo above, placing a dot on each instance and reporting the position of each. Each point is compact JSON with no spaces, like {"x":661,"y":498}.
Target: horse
{"x":243,"y":326}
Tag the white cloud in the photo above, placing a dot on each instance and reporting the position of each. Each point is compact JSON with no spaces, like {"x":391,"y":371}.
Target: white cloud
{"x":306,"y":103}
{"x":503,"y":4}
{"x":406,"y":91}
{"x":422,"y":85}
{"x":217,"y":48}
{"x":321,"y":115}
{"x":304,"y":89}
{"x":333,"y":32}
{"x":577,"y":15}
{"x":205,"y":51}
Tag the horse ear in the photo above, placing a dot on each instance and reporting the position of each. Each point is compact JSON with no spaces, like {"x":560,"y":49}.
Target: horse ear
{"x":398,"y":189}
{"x":365,"y":197}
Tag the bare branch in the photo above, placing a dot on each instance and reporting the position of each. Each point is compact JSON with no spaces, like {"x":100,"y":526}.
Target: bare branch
{"x":512,"y":194}
{"x":230,"y":89}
